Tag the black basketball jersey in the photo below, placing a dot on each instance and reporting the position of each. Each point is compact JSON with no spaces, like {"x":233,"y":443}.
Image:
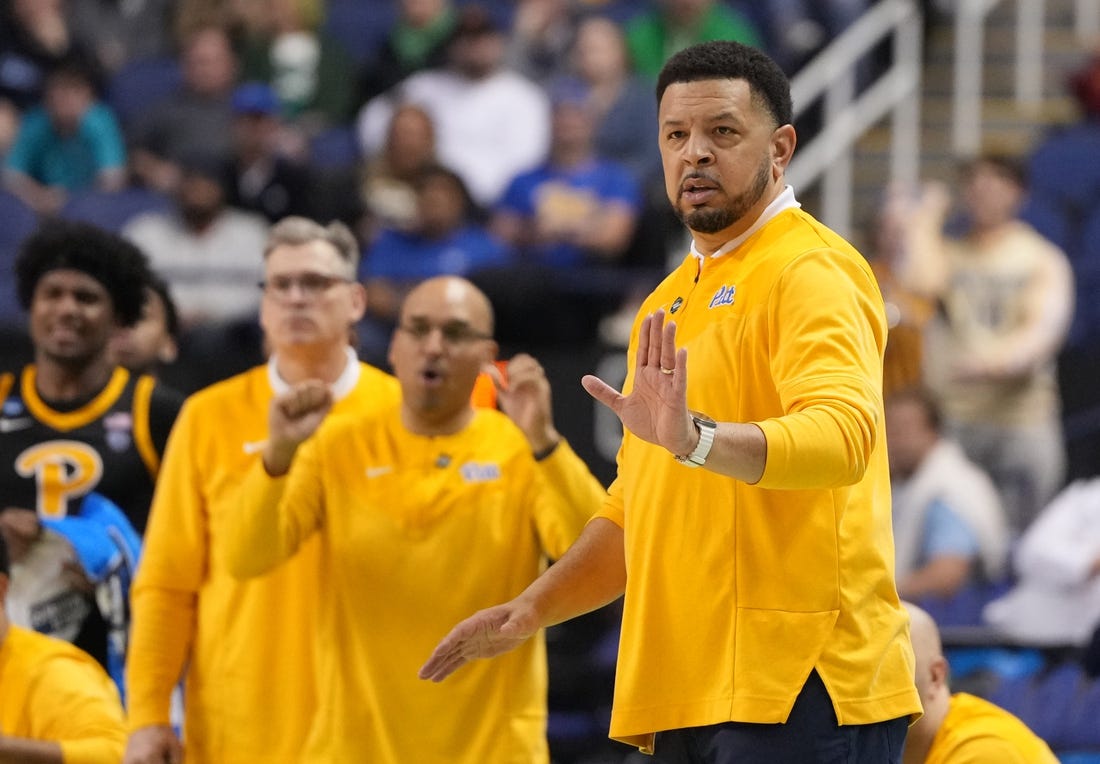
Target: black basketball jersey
{"x":52,"y":455}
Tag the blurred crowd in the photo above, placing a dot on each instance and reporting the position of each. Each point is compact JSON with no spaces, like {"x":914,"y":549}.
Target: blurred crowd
{"x":513,"y":143}
{"x":510,"y":142}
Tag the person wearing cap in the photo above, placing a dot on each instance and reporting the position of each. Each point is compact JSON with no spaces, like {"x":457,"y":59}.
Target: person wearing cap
{"x":260,"y":178}
{"x":72,"y":422}
{"x":57,"y":705}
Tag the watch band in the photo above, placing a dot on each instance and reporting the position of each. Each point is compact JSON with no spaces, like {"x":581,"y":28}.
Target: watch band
{"x":707,"y":428}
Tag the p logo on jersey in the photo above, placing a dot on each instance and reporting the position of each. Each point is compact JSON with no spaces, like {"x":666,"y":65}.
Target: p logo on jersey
{"x":63,"y":470}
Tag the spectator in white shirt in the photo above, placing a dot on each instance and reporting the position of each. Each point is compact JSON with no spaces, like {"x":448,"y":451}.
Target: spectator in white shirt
{"x":491,"y":123}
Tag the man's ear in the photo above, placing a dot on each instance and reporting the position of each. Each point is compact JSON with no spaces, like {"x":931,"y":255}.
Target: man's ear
{"x":784,"y":140}
{"x":359,"y":301}
{"x":940,"y":672}
{"x":169,"y":351}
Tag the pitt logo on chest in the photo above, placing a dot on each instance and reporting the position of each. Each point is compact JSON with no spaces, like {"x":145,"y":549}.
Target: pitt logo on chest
{"x":724,"y":296}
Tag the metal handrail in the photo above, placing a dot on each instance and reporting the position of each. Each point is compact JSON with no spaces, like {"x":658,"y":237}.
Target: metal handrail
{"x":832,"y":77}
{"x":970,"y":19}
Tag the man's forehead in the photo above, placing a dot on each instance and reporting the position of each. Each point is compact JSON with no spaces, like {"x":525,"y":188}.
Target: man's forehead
{"x":301,"y":257}
{"x":715,"y":94}
{"x":72,"y":277}
{"x":443,"y":300}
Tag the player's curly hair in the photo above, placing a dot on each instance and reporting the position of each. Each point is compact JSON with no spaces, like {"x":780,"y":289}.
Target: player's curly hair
{"x":728,"y":60}
{"x":118,"y":265}
{"x":5,"y":564}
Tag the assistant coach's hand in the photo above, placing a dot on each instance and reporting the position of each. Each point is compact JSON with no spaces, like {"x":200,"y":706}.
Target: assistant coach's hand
{"x":485,"y":634}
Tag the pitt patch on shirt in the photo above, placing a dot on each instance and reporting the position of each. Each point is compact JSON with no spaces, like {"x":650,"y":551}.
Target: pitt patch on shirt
{"x":472,"y":472}
{"x":724,"y":296}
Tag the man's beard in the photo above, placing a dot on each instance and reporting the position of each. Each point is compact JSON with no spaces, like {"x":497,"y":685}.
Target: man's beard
{"x":707,"y":220}
{"x":198,"y":217}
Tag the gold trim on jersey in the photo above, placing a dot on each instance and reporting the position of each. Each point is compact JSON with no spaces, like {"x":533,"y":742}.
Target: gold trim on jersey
{"x":143,"y":437}
{"x":70,"y":420}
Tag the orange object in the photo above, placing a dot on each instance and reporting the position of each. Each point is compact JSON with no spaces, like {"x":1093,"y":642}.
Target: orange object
{"x":485,"y":390}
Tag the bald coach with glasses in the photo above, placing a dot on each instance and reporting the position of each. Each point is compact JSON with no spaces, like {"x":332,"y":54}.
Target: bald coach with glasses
{"x":248,"y":697}
{"x":423,"y":511}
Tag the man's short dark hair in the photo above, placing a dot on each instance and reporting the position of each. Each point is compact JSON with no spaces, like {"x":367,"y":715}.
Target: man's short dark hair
{"x":1003,"y":163}
{"x":5,"y":563}
{"x":171,"y":314}
{"x":925,"y":399}
{"x":727,"y":60}
{"x":118,"y":265}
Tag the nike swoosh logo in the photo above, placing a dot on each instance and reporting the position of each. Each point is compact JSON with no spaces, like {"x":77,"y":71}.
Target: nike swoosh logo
{"x":254,"y":446}
{"x":14,"y":425}
{"x":374,"y":472}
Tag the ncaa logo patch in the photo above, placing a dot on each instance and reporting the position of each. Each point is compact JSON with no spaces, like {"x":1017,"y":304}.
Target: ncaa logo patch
{"x":676,"y":304}
{"x":119,"y":427}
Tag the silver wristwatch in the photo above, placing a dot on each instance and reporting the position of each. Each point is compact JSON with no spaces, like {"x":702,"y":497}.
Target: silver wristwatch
{"x":706,"y":427}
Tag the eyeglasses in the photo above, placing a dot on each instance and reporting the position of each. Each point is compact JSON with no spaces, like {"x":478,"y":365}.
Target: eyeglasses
{"x":310,"y":285}
{"x":453,"y":332}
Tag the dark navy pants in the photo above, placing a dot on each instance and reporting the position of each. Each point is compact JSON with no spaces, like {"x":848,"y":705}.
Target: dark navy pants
{"x":810,"y":735}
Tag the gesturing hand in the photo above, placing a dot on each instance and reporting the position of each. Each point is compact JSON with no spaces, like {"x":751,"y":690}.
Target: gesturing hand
{"x":292,"y":418}
{"x":656,"y":408}
{"x":485,"y":634}
{"x":156,"y":744}
{"x":525,"y":398}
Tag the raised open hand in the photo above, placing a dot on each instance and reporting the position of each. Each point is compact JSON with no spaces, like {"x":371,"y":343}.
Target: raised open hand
{"x":656,"y":408}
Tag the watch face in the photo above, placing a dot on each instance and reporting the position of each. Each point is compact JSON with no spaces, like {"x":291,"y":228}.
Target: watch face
{"x":703,"y":419}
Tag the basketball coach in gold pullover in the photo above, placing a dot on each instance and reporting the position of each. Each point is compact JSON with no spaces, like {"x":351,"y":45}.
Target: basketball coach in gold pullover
{"x":749,"y":525}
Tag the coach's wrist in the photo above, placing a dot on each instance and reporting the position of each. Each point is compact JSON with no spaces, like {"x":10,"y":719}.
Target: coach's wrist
{"x":277,"y":458}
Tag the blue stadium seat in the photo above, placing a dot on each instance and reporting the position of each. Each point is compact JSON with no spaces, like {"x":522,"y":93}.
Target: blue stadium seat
{"x":965,"y":608}
{"x":360,"y":26}
{"x":1078,"y":757}
{"x":1015,"y":694}
{"x":1004,"y":663}
{"x":335,"y":148}
{"x":19,"y":222}
{"x":1058,"y":168}
{"x":1081,"y":729}
{"x":1049,"y":217}
{"x":112,"y":210}
{"x":1055,"y":697}
{"x":141,"y":83}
